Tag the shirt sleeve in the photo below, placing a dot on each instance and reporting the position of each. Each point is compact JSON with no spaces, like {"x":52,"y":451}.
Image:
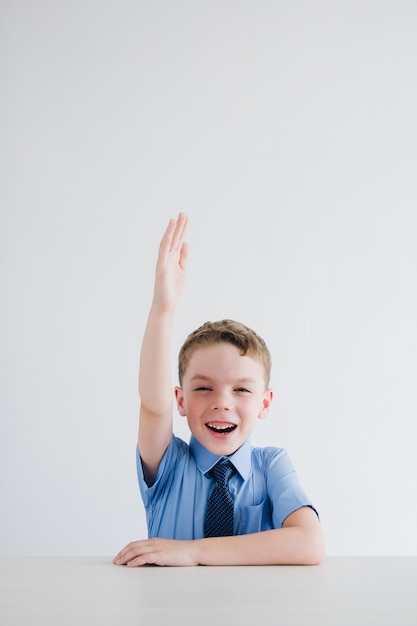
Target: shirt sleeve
{"x":169,"y":501}
{"x":168,"y":461}
{"x":285,"y":492}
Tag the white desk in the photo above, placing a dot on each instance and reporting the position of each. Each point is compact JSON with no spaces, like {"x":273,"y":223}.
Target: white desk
{"x":351,"y":591}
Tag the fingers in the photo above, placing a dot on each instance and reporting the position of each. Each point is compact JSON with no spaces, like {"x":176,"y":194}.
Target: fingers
{"x":183,"y":256}
{"x":130,"y":552}
{"x":137,"y":553}
{"x":173,"y":238}
{"x":179,"y":232}
{"x":157,"y":552}
{"x":166,"y":240}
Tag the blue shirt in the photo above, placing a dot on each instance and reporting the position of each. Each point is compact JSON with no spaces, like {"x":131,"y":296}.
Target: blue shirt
{"x":265,"y":488}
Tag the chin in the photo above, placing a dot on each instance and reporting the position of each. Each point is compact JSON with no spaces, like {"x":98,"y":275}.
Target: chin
{"x":222,"y":448}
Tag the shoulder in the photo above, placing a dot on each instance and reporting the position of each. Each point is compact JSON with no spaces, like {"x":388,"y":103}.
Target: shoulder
{"x":270,"y":459}
{"x":268,"y":454}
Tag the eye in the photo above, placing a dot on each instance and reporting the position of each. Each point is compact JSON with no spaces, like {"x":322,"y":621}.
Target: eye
{"x":243,"y":390}
{"x":202,"y":389}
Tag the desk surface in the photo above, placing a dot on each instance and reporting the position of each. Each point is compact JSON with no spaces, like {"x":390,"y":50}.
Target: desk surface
{"x":342,"y":591}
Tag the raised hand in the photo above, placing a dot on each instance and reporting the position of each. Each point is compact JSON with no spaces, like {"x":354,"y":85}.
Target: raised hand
{"x":170,"y":271}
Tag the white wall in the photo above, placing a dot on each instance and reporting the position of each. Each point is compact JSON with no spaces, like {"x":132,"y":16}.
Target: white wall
{"x":287,"y":131}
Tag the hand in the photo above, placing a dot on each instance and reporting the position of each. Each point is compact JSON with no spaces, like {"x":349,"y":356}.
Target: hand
{"x":171,"y":265}
{"x":157,"y":552}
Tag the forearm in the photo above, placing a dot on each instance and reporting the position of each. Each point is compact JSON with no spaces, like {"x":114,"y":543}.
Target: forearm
{"x":284,"y":546}
{"x":155,"y":385}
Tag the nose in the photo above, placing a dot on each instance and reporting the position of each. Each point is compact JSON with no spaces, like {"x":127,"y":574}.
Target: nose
{"x":222,"y":401}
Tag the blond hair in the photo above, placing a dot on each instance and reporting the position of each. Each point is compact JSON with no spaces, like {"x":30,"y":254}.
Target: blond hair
{"x":225,"y":331}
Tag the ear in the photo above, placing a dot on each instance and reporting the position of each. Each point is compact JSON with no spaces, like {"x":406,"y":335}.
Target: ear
{"x":179,"y":397}
{"x":266,"y":403}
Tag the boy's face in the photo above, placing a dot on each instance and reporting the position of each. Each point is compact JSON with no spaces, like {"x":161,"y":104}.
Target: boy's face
{"x":223,"y":395}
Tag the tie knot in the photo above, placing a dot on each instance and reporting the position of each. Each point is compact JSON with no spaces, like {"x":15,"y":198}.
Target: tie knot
{"x":222,"y":472}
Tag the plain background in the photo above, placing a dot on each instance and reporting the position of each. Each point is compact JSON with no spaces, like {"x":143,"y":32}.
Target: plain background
{"x":287,"y":131}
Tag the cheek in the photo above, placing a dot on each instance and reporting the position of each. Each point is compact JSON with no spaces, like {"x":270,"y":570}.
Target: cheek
{"x":253,"y":408}
{"x":196,"y":407}
{"x":193,"y":405}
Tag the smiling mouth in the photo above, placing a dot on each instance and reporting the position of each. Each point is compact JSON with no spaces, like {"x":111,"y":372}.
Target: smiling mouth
{"x":223,"y":430}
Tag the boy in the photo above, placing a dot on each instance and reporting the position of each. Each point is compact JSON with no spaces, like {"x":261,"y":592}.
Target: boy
{"x":264,"y":515}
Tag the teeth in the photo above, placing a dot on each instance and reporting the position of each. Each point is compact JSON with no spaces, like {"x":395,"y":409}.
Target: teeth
{"x":222,"y":429}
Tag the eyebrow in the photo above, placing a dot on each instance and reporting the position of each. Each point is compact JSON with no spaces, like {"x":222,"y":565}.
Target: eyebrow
{"x":237,"y":381}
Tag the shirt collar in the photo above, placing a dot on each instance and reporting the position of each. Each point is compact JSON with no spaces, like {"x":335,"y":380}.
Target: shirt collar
{"x":205,"y":460}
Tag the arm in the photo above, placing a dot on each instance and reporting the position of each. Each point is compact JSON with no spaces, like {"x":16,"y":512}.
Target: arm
{"x":299,"y":542}
{"x":155,"y":387}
